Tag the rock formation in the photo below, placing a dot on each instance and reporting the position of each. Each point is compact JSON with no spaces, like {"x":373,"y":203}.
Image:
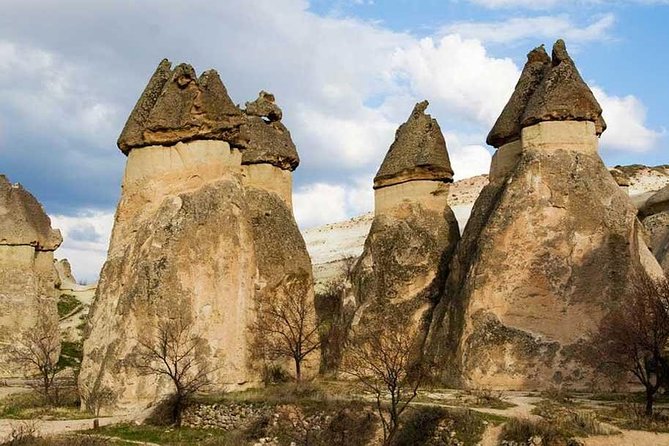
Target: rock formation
{"x":414,"y":231}
{"x":204,"y":227}
{"x":654,"y":213}
{"x":548,"y":249}
{"x":27,"y":274}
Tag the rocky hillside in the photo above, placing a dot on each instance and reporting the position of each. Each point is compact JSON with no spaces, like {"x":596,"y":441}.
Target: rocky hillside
{"x":330,"y":245}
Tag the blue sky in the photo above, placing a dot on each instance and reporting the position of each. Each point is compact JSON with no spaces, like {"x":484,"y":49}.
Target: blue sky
{"x":346,"y":74}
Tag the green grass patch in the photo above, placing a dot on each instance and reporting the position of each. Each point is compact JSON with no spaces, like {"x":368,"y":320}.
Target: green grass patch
{"x":570,"y":420}
{"x":67,"y":304}
{"x":71,"y":354}
{"x":435,"y":425}
{"x":631,"y":415}
{"x":183,"y":436}
{"x":30,"y":405}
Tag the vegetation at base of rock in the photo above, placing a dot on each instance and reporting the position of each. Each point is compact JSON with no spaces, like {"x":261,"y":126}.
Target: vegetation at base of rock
{"x":433,"y":426}
{"x":521,"y":431}
{"x":67,"y":303}
{"x":382,"y":359}
{"x":173,"y":352}
{"x":287,"y":327}
{"x":571,"y":420}
{"x":483,"y":398}
{"x":633,"y":338}
{"x":183,"y":436}
{"x":631,"y":415}
{"x":31,"y":405}
{"x":71,"y":354}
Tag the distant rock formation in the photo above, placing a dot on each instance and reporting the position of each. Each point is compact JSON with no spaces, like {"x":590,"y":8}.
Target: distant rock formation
{"x":414,"y":230}
{"x":654,"y":213}
{"x":27,"y":275}
{"x":548,"y":249}
{"x":204,"y":226}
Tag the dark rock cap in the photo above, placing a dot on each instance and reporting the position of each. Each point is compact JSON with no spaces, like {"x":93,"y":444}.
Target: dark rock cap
{"x":23,"y":221}
{"x":563,"y":95}
{"x":263,"y":139}
{"x":264,"y":107}
{"x":418,"y":152}
{"x":507,"y":127}
{"x":177,"y":106}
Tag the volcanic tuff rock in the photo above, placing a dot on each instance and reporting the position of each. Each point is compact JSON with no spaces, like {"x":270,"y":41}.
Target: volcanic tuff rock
{"x":28,"y":279}
{"x":418,"y":152}
{"x":654,"y":213}
{"x":548,"y":249}
{"x":414,"y":231}
{"x":197,"y":232}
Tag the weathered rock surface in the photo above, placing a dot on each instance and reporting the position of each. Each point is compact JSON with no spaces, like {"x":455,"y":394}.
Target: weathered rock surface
{"x":654,"y":213}
{"x":507,"y":127}
{"x":418,"y":152}
{"x":197,"y":233}
{"x":563,"y":95}
{"x":28,"y":279}
{"x":414,"y":231}
{"x":176,"y":106}
{"x":548,"y":249}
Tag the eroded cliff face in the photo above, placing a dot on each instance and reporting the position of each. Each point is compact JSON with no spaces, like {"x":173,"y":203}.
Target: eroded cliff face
{"x":28,"y":279}
{"x":549,"y":247}
{"x":197,"y":233}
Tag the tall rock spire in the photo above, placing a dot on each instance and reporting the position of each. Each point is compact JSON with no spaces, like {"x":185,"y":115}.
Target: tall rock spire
{"x":550,"y":247}
{"x":418,"y":153}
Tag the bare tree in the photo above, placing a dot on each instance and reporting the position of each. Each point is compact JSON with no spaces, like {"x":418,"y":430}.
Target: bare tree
{"x":286,"y":326}
{"x":382,"y":357}
{"x":174,"y":351}
{"x":633,"y":337}
{"x":96,"y":397}
{"x":37,"y":350}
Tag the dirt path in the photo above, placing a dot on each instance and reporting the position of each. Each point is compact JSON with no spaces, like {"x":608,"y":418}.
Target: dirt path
{"x":53,"y":427}
{"x":629,"y":438}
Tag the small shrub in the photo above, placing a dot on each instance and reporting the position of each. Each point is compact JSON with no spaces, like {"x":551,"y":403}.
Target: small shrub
{"x":275,"y":374}
{"x":521,"y":431}
{"x":71,"y":354}
{"x":352,"y":425}
{"x":163,"y":412}
{"x":558,"y":395}
{"x":67,"y":304}
{"x":419,"y":426}
{"x":23,"y":434}
{"x":257,"y":428}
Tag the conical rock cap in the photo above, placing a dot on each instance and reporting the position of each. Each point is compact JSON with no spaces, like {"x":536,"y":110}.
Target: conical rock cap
{"x":418,"y":152}
{"x":507,"y":127}
{"x":177,"y":106}
{"x":563,"y":95}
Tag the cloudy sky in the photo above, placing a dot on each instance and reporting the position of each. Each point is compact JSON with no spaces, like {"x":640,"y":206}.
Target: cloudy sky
{"x":346,"y":74}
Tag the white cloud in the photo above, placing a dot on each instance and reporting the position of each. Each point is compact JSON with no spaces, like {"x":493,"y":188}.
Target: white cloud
{"x":535,"y":28}
{"x":548,"y":4}
{"x":625,"y":118}
{"x":85,"y":241}
{"x":469,"y":161}
{"x":456,"y":74}
{"x":319,"y":203}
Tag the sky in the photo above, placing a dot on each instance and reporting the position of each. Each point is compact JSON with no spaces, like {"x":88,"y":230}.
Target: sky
{"x":345,"y":72}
